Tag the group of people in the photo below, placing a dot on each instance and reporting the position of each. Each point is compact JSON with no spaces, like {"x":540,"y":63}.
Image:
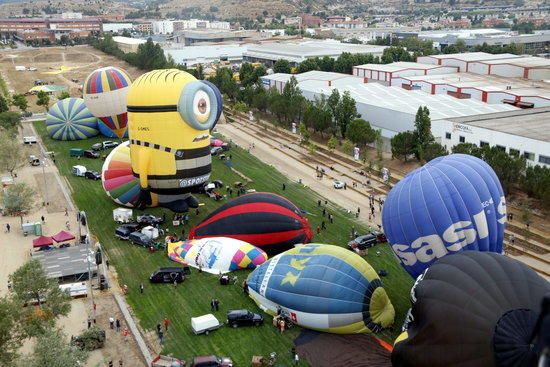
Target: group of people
{"x":162,"y":330}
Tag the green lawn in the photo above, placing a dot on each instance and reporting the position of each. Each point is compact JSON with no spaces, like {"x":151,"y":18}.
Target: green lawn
{"x":191,"y":298}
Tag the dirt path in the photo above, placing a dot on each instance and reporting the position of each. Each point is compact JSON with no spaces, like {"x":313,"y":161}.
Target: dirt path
{"x":295,"y":170}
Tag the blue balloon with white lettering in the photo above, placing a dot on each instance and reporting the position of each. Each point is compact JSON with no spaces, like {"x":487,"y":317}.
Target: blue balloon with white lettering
{"x":453,"y":203}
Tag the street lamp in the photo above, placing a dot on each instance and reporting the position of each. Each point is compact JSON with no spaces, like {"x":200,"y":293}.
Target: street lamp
{"x":83,"y":221}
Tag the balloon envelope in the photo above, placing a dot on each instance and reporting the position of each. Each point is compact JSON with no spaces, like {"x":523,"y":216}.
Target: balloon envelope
{"x":105,"y":92}
{"x":473,"y":309}
{"x":216,"y":255}
{"x":263,"y":219}
{"x":70,"y":119}
{"x":453,"y":203}
{"x":323,"y":287}
{"x":118,"y":180}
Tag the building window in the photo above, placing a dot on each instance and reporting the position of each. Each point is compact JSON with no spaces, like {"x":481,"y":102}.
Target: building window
{"x":529,"y":155}
{"x":544,"y":159}
{"x":483,"y":143}
{"x":500,"y":147}
{"x":448,"y":136}
{"x":461,"y":139}
{"x":514,"y":152}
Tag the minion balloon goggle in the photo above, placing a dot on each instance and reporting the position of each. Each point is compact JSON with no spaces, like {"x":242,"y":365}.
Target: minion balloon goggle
{"x":199,"y":105}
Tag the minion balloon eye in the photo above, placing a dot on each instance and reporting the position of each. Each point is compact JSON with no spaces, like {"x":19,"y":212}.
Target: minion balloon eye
{"x":199,"y":105}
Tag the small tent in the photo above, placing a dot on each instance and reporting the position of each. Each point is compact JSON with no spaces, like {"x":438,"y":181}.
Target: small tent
{"x":42,"y":241}
{"x":63,"y":236}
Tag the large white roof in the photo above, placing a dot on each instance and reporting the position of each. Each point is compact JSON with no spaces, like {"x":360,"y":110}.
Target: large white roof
{"x":528,"y":61}
{"x":398,"y":66}
{"x":298,"y":51}
{"x":474,"y":56}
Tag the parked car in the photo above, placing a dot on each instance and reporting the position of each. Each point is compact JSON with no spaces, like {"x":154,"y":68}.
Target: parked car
{"x":92,"y":175}
{"x":216,"y":150}
{"x":380,"y":236}
{"x":168,"y":275}
{"x":29,"y":140}
{"x":104,"y":145}
{"x":212,"y":361}
{"x":140,"y":239}
{"x":124,"y":231}
{"x":91,"y":154}
{"x":338,"y":184}
{"x":363,"y":242}
{"x":243,"y":317}
{"x":149,"y":219}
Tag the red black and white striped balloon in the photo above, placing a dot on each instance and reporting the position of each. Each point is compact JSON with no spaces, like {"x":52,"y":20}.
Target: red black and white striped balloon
{"x":263,"y":219}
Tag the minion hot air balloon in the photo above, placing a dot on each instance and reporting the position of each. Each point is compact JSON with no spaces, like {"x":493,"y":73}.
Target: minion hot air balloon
{"x":170,"y":114}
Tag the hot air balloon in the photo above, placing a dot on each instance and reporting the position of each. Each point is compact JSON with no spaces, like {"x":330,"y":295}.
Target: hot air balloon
{"x":263,"y":219}
{"x":325,"y":288}
{"x":172,"y":158}
{"x":472,"y":309}
{"x":118,"y":180}
{"x":453,"y":203}
{"x":216,"y":255}
{"x":70,"y":119}
{"x":105,"y":92}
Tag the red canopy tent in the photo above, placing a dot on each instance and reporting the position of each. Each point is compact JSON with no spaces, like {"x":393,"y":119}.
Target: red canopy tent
{"x":42,"y":241}
{"x":63,"y":236}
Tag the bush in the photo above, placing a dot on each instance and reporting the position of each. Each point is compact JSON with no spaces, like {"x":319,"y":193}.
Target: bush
{"x":91,"y":339}
{"x":347,"y":147}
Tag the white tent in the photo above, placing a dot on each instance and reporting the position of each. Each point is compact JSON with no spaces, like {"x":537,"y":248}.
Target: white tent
{"x":122,"y":215}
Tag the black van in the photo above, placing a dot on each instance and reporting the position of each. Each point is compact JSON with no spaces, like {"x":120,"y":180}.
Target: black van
{"x":123,"y":232}
{"x":168,"y":275}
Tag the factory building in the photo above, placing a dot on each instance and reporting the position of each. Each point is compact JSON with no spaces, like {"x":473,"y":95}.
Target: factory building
{"x":462,"y":61}
{"x":383,"y":73}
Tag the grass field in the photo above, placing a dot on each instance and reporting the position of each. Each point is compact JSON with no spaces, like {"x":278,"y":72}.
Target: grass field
{"x":134,"y":264}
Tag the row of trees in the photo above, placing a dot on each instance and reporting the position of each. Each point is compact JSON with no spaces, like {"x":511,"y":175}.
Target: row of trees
{"x":513,"y":171}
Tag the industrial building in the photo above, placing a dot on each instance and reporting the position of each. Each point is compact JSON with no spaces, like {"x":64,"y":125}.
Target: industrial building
{"x":390,"y":109}
{"x":191,"y":37}
{"x":463,"y":60}
{"x":127,"y":44}
{"x":383,"y":73}
{"x":192,"y":55}
{"x":314,"y":78}
{"x":533,"y":68}
{"x":296,"y":52}
{"x":10,"y":27}
{"x":485,"y":88}
{"x":117,"y":27}
{"x":477,"y":37}
{"x":523,"y":132}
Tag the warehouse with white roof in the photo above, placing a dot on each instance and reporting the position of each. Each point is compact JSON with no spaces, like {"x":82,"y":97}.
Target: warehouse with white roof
{"x":393,"y":109}
{"x":529,"y":67}
{"x":296,"y":52}
{"x":383,"y":73}
{"x":463,"y":60}
{"x":485,"y":88}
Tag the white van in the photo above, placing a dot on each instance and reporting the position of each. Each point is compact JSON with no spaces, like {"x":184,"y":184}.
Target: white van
{"x":204,"y":324}
{"x":29,"y":140}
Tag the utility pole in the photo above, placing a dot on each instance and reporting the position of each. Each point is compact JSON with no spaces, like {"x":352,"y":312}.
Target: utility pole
{"x":81,"y":216}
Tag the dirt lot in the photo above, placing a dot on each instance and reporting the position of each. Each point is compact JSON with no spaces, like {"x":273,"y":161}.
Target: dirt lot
{"x":58,"y":65}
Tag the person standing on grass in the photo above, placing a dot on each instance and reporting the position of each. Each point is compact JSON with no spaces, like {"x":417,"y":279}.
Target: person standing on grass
{"x":323,"y":225}
{"x":213,"y":304}
{"x":158,"y":327}
{"x":217,"y":304}
{"x":318,"y":229}
{"x":284,"y":187}
{"x":161,"y":337}
{"x":141,"y":288}
{"x":166,"y":323}
{"x":175,"y":283}
{"x":89,"y":322}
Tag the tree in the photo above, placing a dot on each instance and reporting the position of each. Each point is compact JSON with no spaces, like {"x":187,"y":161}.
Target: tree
{"x":10,"y":332}
{"x":260,"y":99}
{"x":43,"y":99}
{"x":10,"y":121}
{"x":31,"y":285}
{"x":402,"y":145}
{"x":360,"y":132}
{"x":379,"y":143}
{"x":332,"y":143}
{"x":3,"y":104}
{"x":20,"y":101}
{"x":434,"y":150}
{"x":245,"y":74}
{"x":467,"y":148}
{"x":326,"y":63}
{"x":423,"y":132}
{"x":282,"y":66}
{"x":347,"y":147}
{"x":304,"y":134}
{"x":332,"y":105}
{"x":12,"y":155}
{"x":346,"y":111}
{"x":294,"y":101}
{"x":536,"y":183}
{"x":308,"y":65}
{"x":51,"y":349}
{"x":64,"y":95}
{"x":323,"y":118}
{"x":508,"y":168}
